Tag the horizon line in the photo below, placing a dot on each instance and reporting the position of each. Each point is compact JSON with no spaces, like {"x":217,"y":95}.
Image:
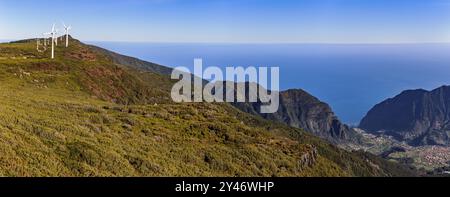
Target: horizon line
{"x":269,"y":43}
{"x":256,"y":43}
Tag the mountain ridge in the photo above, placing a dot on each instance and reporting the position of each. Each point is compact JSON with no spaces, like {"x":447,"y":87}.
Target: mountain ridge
{"x":83,"y":114}
{"x":302,"y":110}
{"x":419,"y":117}
{"x":320,"y":121}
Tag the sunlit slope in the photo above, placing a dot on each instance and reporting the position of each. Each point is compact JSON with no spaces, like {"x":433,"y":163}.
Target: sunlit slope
{"x":82,"y":114}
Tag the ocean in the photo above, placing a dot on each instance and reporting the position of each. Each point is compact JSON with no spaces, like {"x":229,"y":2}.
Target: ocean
{"x":351,"y":78}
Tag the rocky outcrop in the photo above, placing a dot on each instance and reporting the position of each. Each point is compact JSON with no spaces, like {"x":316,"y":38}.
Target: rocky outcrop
{"x":302,"y":110}
{"x":308,"y":159}
{"x":418,"y":117}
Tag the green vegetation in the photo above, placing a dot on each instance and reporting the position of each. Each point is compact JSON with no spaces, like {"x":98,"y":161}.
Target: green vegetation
{"x":82,"y":115}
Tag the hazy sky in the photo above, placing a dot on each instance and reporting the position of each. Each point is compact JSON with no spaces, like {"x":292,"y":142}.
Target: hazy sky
{"x":267,"y":21}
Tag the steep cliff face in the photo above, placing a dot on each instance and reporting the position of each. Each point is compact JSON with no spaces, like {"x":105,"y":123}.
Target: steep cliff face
{"x":302,"y":110}
{"x":418,"y":117}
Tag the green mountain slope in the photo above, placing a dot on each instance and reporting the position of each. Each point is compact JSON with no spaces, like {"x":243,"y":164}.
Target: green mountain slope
{"x":85,"y":114}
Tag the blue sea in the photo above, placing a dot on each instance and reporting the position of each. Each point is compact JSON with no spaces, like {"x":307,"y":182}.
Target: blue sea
{"x":351,"y":78}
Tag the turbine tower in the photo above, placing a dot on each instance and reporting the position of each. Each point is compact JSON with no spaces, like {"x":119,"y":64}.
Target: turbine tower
{"x":54,"y":39}
{"x":56,"y":34}
{"x":66,"y":31}
{"x":37,"y":44}
{"x":45,"y":40}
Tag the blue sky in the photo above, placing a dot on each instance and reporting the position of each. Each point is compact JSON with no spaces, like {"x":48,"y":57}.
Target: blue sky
{"x":230,"y":21}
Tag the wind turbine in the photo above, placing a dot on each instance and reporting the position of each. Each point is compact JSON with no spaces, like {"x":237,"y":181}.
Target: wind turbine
{"x":45,"y":40}
{"x":54,"y":39}
{"x":56,"y":34}
{"x":66,"y":31}
{"x":37,"y":44}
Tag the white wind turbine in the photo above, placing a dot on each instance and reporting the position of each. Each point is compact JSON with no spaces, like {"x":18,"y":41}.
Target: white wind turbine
{"x":45,"y":40}
{"x":66,"y":31}
{"x":54,"y":39}
{"x":37,"y":44}
{"x":56,"y":34}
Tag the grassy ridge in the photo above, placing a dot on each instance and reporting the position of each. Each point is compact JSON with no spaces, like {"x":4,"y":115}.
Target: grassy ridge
{"x":83,"y":115}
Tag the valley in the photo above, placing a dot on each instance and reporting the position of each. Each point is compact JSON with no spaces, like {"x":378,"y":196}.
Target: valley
{"x":425,"y":158}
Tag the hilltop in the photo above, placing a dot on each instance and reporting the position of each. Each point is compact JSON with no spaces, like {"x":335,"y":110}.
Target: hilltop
{"x":418,"y":117}
{"x":92,"y":112}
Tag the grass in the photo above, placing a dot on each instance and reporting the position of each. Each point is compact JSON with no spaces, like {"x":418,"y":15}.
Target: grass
{"x":82,"y":115}
{"x":48,"y":133}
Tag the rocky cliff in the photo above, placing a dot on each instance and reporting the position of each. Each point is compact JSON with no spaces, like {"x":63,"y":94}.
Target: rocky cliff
{"x":418,"y":117}
{"x":302,"y":110}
